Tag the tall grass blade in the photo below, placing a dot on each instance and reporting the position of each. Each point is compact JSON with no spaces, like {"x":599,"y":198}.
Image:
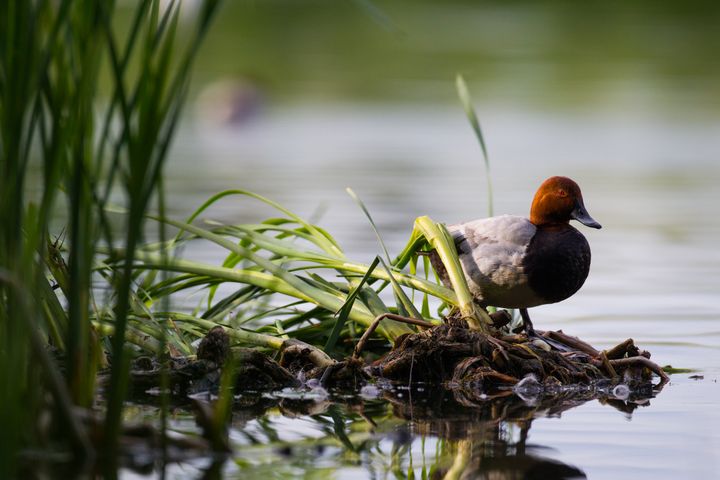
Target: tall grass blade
{"x":360,"y":204}
{"x":466,"y":101}
{"x":160,"y":94}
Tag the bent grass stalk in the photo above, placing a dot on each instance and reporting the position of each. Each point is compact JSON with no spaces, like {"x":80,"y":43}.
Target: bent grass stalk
{"x":441,"y":240}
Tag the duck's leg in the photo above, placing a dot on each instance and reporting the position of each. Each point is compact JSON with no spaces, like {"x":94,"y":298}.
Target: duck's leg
{"x":527,"y":323}
{"x":530,"y":331}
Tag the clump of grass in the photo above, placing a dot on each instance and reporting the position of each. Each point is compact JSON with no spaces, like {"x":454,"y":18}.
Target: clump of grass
{"x":285,"y":277}
{"x":62,"y":153}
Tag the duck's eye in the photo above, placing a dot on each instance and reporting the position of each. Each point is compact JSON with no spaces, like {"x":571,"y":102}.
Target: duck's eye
{"x":562,"y":193}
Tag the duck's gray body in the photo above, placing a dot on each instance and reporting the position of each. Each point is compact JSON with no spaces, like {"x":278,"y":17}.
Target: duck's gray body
{"x":511,"y":263}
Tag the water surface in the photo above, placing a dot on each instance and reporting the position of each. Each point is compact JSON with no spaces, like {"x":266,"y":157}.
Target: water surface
{"x":652,"y":183}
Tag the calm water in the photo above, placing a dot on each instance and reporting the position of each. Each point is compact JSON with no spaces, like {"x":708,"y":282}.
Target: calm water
{"x":620,"y":96}
{"x":653,"y":184}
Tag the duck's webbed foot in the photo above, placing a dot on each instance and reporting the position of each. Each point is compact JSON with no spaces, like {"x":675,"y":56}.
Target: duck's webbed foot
{"x":531,"y":334}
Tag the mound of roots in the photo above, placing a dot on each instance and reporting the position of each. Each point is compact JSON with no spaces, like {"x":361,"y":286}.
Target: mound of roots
{"x":454,"y":354}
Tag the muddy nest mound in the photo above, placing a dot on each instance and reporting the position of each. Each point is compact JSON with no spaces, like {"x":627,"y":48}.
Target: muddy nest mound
{"x":450,"y":355}
{"x":453,"y":353}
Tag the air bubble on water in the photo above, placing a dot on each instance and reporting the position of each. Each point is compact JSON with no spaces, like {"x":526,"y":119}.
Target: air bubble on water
{"x":528,"y":389}
{"x":528,"y":385}
{"x":318,"y":394}
{"x":621,"y":391}
{"x":370,"y":392}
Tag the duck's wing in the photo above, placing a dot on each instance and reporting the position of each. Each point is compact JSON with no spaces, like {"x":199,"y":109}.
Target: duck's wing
{"x":491,"y":251}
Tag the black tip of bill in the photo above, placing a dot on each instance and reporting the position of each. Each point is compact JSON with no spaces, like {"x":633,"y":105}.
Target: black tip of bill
{"x":581,"y":215}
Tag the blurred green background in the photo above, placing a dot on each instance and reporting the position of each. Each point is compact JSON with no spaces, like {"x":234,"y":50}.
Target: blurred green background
{"x":560,"y":53}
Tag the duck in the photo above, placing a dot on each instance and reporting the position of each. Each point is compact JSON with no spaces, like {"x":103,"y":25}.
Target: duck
{"x":510,"y":261}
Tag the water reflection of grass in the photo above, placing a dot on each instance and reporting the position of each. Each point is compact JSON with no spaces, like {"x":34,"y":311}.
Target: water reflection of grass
{"x":423,"y":431}
{"x":400,"y":431}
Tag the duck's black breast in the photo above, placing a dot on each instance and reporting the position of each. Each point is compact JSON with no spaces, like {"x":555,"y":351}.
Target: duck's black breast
{"x":557,"y":262}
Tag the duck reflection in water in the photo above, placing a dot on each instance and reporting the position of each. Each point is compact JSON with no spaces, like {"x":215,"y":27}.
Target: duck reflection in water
{"x":486,"y":436}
